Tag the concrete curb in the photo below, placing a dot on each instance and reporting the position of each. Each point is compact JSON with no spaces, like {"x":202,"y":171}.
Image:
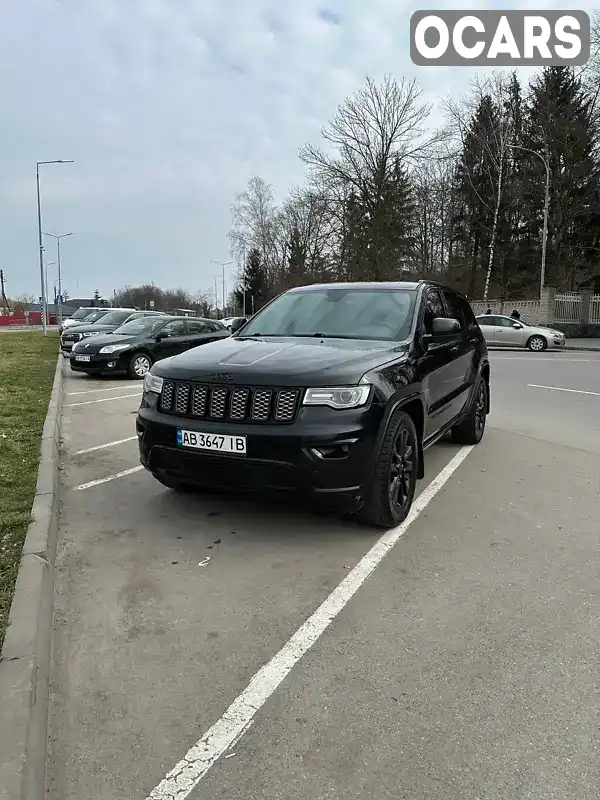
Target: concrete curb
{"x":582,"y":349}
{"x":25,"y":661}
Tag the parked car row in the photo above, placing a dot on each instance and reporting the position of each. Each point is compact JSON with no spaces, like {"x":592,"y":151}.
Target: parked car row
{"x":143,"y":339}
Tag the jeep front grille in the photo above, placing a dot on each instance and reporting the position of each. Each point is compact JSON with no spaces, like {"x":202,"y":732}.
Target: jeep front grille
{"x":228,"y":403}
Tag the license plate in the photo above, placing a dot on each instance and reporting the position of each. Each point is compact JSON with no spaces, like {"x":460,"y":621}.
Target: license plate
{"x":82,"y":358}
{"x":220,"y":443}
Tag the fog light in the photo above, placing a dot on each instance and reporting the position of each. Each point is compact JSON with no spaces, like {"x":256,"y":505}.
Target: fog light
{"x":111,"y":364}
{"x":333,"y":451}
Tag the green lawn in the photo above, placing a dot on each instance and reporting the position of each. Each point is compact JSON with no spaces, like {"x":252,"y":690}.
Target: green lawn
{"x":27,"y":365}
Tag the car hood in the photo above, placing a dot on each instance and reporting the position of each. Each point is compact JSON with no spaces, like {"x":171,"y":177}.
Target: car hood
{"x":92,"y":344}
{"x":281,"y":361}
{"x":94,"y":328}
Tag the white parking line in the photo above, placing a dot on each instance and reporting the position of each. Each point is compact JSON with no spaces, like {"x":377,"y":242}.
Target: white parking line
{"x":106,"y":480}
{"x":104,"y":446}
{"x":102,"y":400}
{"x":538,"y":358}
{"x":235,"y":721}
{"x":561,"y":389}
{"x":107,"y":389}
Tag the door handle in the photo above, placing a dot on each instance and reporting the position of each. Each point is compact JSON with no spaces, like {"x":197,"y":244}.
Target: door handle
{"x":454,"y":349}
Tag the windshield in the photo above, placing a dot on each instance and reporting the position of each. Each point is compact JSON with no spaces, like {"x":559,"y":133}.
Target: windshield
{"x":374,"y":314}
{"x":95,"y":315}
{"x":116,"y":317}
{"x":142,"y":325}
{"x":81,"y":313}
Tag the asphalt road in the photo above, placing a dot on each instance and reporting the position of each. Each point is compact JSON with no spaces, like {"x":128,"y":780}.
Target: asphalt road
{"x":464,"y":667}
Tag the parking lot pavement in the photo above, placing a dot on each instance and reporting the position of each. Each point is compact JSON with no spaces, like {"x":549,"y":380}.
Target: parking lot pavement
{"x":464,"y":667}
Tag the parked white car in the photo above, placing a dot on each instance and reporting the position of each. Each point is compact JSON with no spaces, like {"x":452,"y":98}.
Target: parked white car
{"x":501,"y":331}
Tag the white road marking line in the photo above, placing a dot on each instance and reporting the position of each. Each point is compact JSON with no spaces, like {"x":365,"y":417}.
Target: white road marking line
{"x":107,"y":389}
{"x":561,"y":389}
{"x":101,"y":400}
{"x":104,"y":446}
{"x":220,"y":737}
{"x":538,"y":358}
{"x":106,"y":480}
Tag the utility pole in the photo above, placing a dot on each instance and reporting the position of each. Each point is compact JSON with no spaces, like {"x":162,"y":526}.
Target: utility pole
{"x":222,"y":264}
{"x":5,"y":305}
{"x":40,"y":241}
{"x":545,"y":159}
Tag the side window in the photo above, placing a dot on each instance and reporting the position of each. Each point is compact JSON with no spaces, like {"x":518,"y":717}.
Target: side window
{"x":455,"y":309}
{"x":504,"y":322}
{"x":433,"y":308}
{"x":489,"y":321}
{"x":174,"y":328}
{"x":196,"y":326}
{"x":467,"y":311}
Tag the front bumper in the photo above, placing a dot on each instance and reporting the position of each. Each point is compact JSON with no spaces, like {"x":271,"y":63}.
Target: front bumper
{"x":99,"y":364}
{"x":324,"y":453}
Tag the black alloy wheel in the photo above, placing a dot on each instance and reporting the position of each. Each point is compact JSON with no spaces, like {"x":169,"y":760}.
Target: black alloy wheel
{"x":402,"y":466}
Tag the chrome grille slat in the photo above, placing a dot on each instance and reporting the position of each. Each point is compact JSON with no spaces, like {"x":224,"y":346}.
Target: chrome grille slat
{"x":285,"y":405}
{"x":229,"y":403}
{"x":182,"y":398}
{"x":218,"y":402}
{"x":199,"y":398}
{"x":261,"y":404}
{"x":166,"y":398}
{"x":238,"y":403}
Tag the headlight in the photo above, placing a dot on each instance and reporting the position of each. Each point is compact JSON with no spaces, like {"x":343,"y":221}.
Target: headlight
{"x":95,"y":333}
{"x":113,"y":348}
{"x":152,"y":383}
{"x":340,"y":397}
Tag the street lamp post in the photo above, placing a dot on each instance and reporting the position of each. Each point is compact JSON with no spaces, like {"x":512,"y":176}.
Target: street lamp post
{"x":58,"y":238}
{"x":49,"y":264}
{"x":545,"y":159}
{"x":40,"y":242}
{"x":223,"y":264}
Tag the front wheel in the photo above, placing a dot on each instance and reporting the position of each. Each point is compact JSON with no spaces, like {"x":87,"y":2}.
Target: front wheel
{"x":471,"y":430}
{"x":537,"y":344}
{"x":139,"y":365}
{"x":391,"y":493}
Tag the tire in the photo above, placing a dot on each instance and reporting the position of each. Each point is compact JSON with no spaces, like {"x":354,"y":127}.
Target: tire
{"x":471,"y":430}
{"x":395,"y":472}
{"x":139,"y":364}
{"x":537,"y":344}
{"x":176,"y":484}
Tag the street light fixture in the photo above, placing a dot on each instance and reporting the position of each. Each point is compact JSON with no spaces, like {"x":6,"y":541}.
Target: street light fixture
{"x":58,"y":238}
{"x":41,"y":244}
{"x":545,"y":159}
{"x":223,"y":264}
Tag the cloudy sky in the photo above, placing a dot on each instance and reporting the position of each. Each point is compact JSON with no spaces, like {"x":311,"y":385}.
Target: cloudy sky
{"x":167,"y":108}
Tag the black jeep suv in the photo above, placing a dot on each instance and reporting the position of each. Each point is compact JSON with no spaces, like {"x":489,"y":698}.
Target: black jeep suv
{"x":333,"y":389}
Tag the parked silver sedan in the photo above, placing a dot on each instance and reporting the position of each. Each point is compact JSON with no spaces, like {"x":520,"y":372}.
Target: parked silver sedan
{"x":501,"y":331}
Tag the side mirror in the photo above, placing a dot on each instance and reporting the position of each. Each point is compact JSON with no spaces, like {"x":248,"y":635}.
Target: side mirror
{"x":517,"y":327}
{"x":237,"y":323}
{"x":444,"y":326}
{"x":160,"y":336}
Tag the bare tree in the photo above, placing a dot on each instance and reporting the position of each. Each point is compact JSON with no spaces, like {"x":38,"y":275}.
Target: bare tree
{"x":255,"y":222}
{"x":494,"y":141}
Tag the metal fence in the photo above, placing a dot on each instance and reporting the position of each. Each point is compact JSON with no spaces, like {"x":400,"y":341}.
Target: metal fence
{"x":568,"y":308}
{"x":528,"y":309}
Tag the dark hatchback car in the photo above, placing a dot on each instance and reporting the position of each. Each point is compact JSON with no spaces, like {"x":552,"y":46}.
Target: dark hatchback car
{"x":334,"y":390}
{"x":103,"y":324}
{"x":135,"y":346}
